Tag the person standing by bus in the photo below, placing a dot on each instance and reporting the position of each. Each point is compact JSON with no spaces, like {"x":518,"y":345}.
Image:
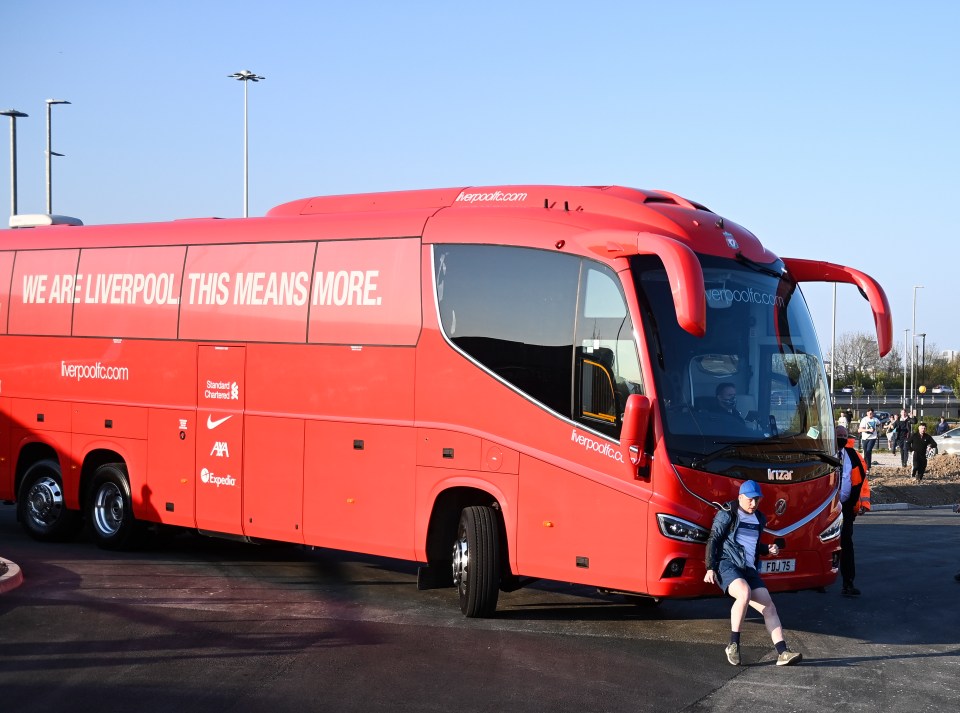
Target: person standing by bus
{"x":852,"y":476}
{"x":919,"y":443}
{"x":868,"y":436}
{"x":732,"y":550}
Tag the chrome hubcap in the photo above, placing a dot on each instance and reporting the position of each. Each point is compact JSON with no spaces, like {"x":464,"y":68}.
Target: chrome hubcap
{"x":45,"y":501}
{"x":108,"y":509}
{"x":461,"y":561}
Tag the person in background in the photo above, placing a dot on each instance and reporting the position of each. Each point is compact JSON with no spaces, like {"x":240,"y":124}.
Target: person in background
{"x":892,"y":434}
{"x":919,"y":443}
{"x":904,"y":431}
{"x":869,"y":426}
{"x":942,"y":427}
{"x":732,"y":550}
{"x":853,"y":473}
{"x":843,"y":420}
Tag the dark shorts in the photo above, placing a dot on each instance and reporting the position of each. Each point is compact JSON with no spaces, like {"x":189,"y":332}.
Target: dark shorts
{"x":728,"y":573}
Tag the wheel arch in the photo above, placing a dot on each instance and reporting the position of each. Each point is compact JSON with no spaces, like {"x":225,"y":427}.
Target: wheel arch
{"x":92,"y":461}
{"x":444,"y":520}
{"x":31,"y":453}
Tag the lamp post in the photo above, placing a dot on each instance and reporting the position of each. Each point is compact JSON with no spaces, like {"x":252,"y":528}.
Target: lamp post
{"x":906,"y":341}
{"x":833,"y":338}
{"x":923,"y":354}
{"x":913,"y":354}
{"x":51,"y":153}
{"x":245,"y":76}
{"x":14,"y":115}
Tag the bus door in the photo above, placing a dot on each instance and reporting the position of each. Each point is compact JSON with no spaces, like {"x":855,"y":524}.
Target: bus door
{"x":220,"y":398}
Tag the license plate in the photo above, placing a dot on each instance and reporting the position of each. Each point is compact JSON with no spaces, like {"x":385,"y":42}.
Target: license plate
{"x":777,"y":566}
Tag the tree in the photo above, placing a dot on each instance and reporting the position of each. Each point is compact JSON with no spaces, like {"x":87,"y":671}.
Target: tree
{"x":857,"y":357}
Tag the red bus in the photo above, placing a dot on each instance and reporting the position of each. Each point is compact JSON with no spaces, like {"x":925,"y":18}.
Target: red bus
{"x":499,"y":383}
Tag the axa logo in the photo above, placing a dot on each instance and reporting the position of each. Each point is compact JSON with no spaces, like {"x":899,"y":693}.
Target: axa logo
{"x":220,"y":450}
{"x":209,"y":478}
{"x":774,"y":474}
{"x":211,"y":424}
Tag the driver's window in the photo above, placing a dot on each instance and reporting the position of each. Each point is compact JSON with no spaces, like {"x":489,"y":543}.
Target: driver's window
{"x":608,"y":365}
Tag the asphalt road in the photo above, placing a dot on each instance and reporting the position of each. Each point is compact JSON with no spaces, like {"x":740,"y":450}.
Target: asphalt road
{"x":193,"y":624}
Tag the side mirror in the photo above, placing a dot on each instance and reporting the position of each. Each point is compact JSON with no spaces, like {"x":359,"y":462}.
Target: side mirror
{"x":633,"y":433}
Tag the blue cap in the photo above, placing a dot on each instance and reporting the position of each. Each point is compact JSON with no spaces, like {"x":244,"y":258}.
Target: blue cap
{"x":750,"y":489}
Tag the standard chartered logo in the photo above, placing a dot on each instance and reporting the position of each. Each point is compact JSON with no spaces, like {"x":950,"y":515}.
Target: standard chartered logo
{"x":590,"y":444}
{"x":222,"y":390}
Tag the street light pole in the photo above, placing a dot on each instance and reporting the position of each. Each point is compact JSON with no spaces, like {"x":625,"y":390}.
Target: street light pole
{"x":906,"y":341}
{"x":833,"y":338}
{"x":923,"y":355}
{"x":14,"y":115}
{"x":50,"y":154}
{"x":245,"y":76}
{"x":913,"y":353}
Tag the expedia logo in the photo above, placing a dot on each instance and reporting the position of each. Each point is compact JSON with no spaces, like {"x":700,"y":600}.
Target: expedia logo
{"x":209,"y":478}
{"x":775,"y":475}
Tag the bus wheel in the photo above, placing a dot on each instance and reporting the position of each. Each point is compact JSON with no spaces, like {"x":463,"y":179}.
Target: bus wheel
{"x":111,"y":512}
{"x":476,"y":561}
{"x":40,"y":505}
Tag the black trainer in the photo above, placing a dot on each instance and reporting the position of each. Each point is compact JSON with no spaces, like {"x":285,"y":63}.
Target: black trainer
{"x":850,"y":591}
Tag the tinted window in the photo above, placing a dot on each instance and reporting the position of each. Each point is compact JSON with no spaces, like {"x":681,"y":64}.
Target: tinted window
{"x":513,"y":310}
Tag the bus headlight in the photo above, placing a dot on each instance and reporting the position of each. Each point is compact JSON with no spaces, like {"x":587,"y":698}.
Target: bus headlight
{"x":677,"y":529}
{"x":832,"y":532}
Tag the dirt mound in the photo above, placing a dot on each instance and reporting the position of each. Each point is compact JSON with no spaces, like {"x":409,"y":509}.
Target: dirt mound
{"x":940,"y":485}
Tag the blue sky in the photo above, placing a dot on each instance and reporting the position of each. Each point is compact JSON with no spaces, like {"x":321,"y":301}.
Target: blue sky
{"x":829,"y":129}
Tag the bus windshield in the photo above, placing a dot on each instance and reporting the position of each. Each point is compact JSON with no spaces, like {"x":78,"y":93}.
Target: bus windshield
{"x":755,"y":383}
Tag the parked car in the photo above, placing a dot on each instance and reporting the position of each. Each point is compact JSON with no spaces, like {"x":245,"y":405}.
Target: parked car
{"x":949,"y":442}
{"x":883,"y":417}
{"x":846,"y":389}
{"x":941,"y":389}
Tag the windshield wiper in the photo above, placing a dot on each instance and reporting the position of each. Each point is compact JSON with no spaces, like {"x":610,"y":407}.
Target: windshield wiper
{"x":719,"y":453}
{"x":734,"y":448}
{"x":825,"y":457}
{"x":741,"y":258}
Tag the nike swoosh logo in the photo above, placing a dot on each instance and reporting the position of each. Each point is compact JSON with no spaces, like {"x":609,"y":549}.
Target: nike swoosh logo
{"x":211,"y":424}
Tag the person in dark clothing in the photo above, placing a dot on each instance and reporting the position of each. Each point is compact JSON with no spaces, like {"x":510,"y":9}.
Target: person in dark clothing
{"x":852,"y":475}
{"x":904,"y":431}
{"x":919,"y":443}
{"x":726,"y":403}
{"x":942,"y":427}
{"x":724,"y":409}
{"x":732,"y":550}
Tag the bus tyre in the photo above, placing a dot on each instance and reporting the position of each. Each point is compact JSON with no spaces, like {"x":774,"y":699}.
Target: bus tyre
{"x":476,"y":561}
{"x":111,"y":511}
{"x":40,"y":506}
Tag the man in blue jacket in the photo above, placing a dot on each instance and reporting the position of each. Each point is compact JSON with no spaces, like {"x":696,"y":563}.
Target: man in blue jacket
{"x":732,"y":565}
